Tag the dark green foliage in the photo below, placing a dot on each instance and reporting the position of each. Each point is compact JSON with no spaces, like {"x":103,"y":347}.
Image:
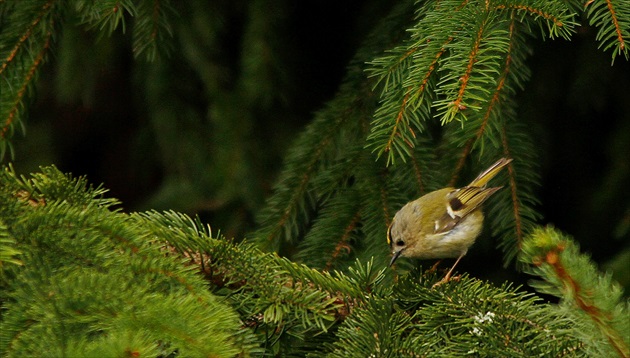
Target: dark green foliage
{"x":292,"y":308}
{"x":30,"y":30}
{"x":456,"y":62}
{"x":8,"y":253}
{"x":466,"y":318}
{"x":429,"y":99}
{"x":461,"y":65}
{"x":93,"y":282}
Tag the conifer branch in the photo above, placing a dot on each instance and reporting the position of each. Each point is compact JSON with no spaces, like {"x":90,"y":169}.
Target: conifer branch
{"x":152,"y":29}
{"x":613,"y":20}
{"x":343,"y":243}
{"x":571,"y":276}
{"x":518,"y":226}
{"x":6,"y":130}
{"x":467,"y":317}
{"x":8,"y":253}
{"x":106,"y":15}
{"x":615,"y":23}
{"x":332,"y":239}
{"x":536,"y":12}
{"x":297,"y":192}
{"x":90,"y":274}
{"x":467,"y":68}
{"x":27,"y":34}
{"x":399,"y":132}
{"x":471,"y":69}
{"x":417,"y":174}
{"x":285,"y":293}
{"x":465,"y":78}
{"x":19,"y":67}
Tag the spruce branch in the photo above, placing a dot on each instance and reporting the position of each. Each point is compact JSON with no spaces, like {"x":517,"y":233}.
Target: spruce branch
{"x":9,"y":255}
{"x":523,"y":180}
{"x":394,"y":118}
{"x":463,"y":318}
{"x":152,"y":29}
{"x":332,"y":141}
{"x":590,"y":299}
{"x":106,"y":15}
{"x":474,"y":62}
{"x":293,"y":196}
{"x":89,"y":273}
{"x":555,"y":16}
{"x":334,"y":232}
{"x":13,"y":112}
{"x":450,"y":66}
{"x":30,"y":29}
{"x":269,"y":290}
{"x":29,"y":32}
{"x":613,"y":20}
{"x":513,"y":74}
{"x":9,"y":57}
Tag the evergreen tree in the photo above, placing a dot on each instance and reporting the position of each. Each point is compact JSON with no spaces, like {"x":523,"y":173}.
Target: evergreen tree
{"x":429,"y":98}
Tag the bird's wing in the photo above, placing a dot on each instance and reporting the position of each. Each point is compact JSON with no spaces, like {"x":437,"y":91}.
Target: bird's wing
{"x":460,"y":203}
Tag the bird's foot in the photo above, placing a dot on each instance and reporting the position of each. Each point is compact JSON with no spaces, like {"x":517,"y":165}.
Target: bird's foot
{"x":434,"y":267}
{"x":446,"y":279}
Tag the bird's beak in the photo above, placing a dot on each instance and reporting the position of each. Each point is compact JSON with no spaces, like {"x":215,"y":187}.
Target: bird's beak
{"x":395,"y":256}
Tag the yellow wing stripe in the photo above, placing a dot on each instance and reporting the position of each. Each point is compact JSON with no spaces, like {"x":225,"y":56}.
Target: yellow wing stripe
{"x":466,"y":200}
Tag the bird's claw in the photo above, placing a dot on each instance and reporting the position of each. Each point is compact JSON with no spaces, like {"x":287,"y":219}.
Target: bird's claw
{"x":446,"y":279}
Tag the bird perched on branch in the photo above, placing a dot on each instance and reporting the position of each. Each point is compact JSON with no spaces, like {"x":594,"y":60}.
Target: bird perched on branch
{"x":443,"y":223}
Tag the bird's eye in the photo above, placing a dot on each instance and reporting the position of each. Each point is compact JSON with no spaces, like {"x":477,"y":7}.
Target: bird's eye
{"x":400,"y":243}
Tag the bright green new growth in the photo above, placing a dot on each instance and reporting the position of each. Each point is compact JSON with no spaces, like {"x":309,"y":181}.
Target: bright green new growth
{"x":94,"y":282}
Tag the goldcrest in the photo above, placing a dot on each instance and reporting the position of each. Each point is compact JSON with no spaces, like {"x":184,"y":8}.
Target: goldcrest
{"x":443,"y":223}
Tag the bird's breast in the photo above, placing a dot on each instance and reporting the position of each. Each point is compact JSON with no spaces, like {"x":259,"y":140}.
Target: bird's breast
{"x":449,"y":244}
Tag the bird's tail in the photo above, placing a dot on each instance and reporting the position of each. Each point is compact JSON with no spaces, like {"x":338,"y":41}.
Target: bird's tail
{"x":486,"y":175}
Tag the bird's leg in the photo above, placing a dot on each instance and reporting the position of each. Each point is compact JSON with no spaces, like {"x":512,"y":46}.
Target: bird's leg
{"x":434,"y":267}
{"x":448,"y":274}
{"x":430,"y":271}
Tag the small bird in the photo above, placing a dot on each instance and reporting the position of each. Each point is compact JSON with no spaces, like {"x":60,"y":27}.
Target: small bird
{"x":443,"y":223}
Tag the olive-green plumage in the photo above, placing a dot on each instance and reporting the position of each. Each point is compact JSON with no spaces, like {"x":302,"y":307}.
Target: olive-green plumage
{"x":443,"y":223}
